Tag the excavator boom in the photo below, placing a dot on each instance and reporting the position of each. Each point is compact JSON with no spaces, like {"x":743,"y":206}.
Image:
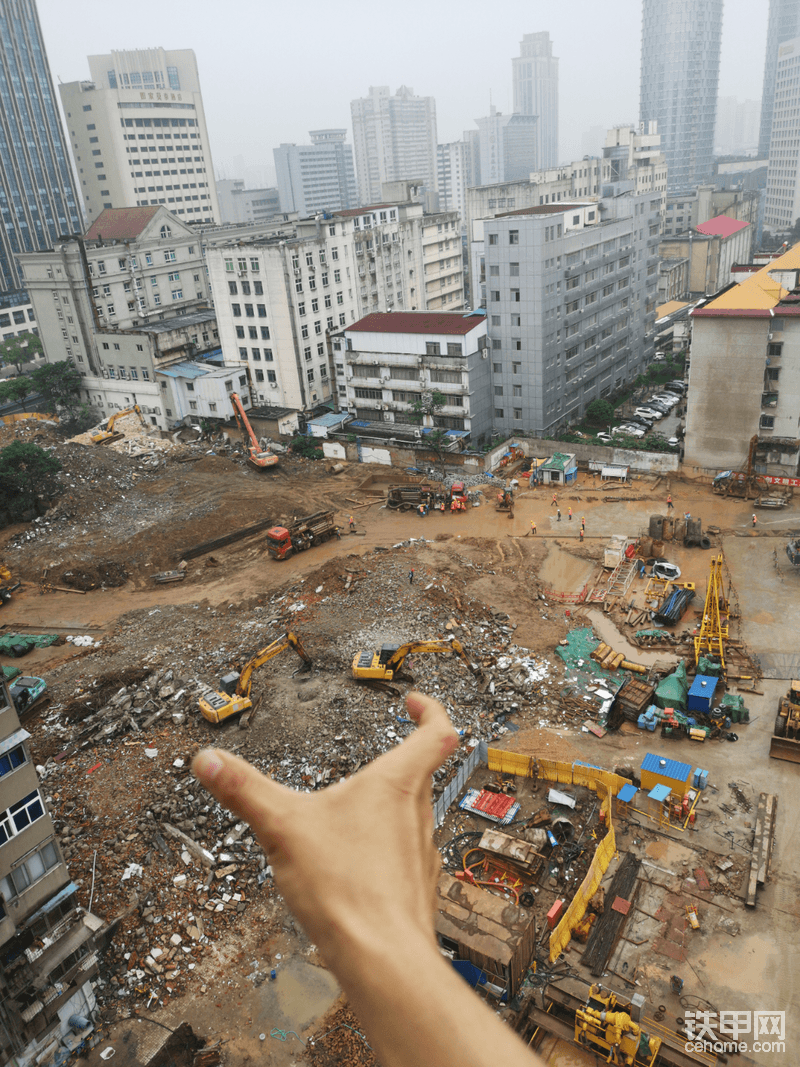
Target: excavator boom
{"x":235,"y":697}
{"x":103,"y":437}
{"x":255,"y":453}
{"x":388,"y":661}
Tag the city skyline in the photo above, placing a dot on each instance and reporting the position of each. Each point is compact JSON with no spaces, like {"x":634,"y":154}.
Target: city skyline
{"x":239,"y":105}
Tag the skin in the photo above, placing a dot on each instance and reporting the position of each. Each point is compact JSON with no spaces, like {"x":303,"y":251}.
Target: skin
{"x":356,"y":864}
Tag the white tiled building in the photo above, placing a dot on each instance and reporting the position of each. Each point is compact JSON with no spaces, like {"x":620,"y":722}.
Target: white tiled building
{"x":138,"y":134}
{"x":394,"y":139}
{"x":316,"y":177}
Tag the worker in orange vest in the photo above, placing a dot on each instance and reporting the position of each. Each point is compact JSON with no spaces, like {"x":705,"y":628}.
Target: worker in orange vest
{"x":755,"y":520}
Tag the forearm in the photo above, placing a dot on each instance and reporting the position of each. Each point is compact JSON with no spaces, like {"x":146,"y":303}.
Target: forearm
{"x":418,"y":1012}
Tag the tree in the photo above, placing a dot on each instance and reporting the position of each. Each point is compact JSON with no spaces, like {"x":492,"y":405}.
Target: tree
{"x":22,"y":349}
{"x":28,"y":472}
{"x":15,"y":389}
{"x":431,"y":404}
{"x":60,"y":385}
{"x":600,"y":412}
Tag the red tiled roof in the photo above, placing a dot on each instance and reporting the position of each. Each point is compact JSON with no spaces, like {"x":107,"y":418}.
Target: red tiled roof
{"x":452,"y":322}
{"x":722,"y":225}
{"x":120,"y":223}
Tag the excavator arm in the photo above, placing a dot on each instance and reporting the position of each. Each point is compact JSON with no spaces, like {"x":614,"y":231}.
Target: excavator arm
{"x":218,"y":706}
{"x":388,"y":661}
{"x":104,"y":436}
{"x":255,"y":454}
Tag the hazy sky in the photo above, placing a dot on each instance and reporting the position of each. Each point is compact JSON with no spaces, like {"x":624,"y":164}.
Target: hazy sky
{"x":270,"y":72}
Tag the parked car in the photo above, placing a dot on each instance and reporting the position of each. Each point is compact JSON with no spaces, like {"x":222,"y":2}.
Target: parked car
{"x":678,"y":388}
{"x":657,"y":405}
{"x":673,"y":442}
{"x":651,"y":414}
{"x":668,"y":399}
{"x":629,"y":429}
{"x":604,"y":437}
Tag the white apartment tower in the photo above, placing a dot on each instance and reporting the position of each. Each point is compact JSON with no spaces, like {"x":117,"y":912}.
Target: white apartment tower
{"x":395,"y":140}
{"x":782,"y":197}
{"x":454,"y":161}
{"x":507,"y":147}
{"x":316,"y":177}
{"x":535,"y":74}
{"x":139,"y":137}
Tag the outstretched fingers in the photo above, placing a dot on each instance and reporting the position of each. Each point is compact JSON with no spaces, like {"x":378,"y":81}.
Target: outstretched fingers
{"x":245,"y":791}
{"x":426,"y":749}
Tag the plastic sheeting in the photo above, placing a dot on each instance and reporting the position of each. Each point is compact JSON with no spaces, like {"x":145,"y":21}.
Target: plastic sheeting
{"x":671,"y":691}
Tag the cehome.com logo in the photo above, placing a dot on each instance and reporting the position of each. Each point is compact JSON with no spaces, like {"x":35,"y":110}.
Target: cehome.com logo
{"x":711,"y":1031}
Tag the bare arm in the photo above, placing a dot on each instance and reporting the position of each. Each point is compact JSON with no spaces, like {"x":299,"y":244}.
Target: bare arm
{"x":357,"y":866}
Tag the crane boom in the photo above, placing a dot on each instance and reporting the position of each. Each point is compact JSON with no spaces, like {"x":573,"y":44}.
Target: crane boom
{"x":255,"y":454}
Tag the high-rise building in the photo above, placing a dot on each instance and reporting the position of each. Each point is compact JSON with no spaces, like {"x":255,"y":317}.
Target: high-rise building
{"x":316,"y":177}
{"x":139,"y":137}
{"x":679,"y":78}
{"x":535,"y":75}
{"x":507,"y":147}
{"x":783,"y":25}
{"x":737,"y":130}
{"x":782,"y":195}
{"x":455,"y":176}
{"x":37,"y":191}
{"x":395,"y":140}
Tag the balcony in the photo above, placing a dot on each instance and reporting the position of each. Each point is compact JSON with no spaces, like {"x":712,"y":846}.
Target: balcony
{"x":769,"y":400}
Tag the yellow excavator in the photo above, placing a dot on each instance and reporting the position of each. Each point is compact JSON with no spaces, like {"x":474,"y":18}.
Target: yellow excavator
{"x":387,"y":662}
{"x":235,"y":695}
{"x":6,"y":589}
{"x":103,"y":437}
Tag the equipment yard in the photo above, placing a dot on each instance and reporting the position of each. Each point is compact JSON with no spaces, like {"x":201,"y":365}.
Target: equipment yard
{"x":199,"y":926}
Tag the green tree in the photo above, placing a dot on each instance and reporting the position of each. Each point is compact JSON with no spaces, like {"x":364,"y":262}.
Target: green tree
{"x":600,"y":412}
{"x":22,"y":349}
{"x":15,"y":389}
{"x":28,"y":472}
{"x":60,"y":385}
{"x":428,"y":404}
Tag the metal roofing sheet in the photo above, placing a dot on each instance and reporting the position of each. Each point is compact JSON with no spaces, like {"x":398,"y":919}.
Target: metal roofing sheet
{"x":332,"y":418}
{"x":627,"y":793}
{"x":119,"y":223}
{"x":433,"y":322}
{"x":659,"y":792}
{"x":185,"y":370}
{"x":674,"y":769}
{"x":722,"y":225}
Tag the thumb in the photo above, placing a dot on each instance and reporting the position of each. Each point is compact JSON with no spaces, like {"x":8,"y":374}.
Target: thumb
{"x":433,"y":740}
{"x":245,"y":791}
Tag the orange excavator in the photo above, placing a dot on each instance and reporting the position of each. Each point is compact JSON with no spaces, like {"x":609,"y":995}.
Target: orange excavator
{"x":255,"y":453}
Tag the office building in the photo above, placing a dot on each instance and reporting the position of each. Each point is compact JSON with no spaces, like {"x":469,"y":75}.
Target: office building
{"x":679,"y":78}
{"x":689,"y":208}
{"x":746,"y":341}
{"x":712,"y":250}
{"x":395,"y":140}
{"x":783,"y":25}
{"x":455,"y":176}
{"x":570,"y":291}
{"x":782,"y":195}
{"x":737,"y":129}
{"x":39,"y":197}
{"x":316,"y":177}
{"x":139,"y":137}
{"x":535,"y":77}
{"x":48,"y":953}
{"x":240,"y":205}
{"x":507,"y":147}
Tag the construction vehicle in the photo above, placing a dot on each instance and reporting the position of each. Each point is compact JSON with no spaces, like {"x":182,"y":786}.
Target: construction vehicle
{"x":785,"y":742}
{"x":387,"y":663}
{"x":505,"y":501}
{"x":605,"y":1024}
{"x":409,"y":497}
{"x":747,"y":481}
{"x":7,"y":588}
{"x":105,"y":436}
{"x":235,"y":695}
{"x":256,"y":455}
{"x":305,"y":533}
{"x":26,"y":691}
{"x":714,"y":627}
{"x":793,"y":552}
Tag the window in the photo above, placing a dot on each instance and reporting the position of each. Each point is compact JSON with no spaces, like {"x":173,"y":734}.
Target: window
{"x":432,"y":348}
{"x":258,"y":288}
{"x":12,"y":759}
{"x":497,"y":368}
{"x":237,"y":310}
{"x":245,"y":287}
{"x":495,"y":296}
{"x":20,"y":815}
{"x":255,"y":267}
{"x":134,"y":374}
{"x":515,"y":295}
{"x":498,"y":390}
{"x":29,"y":871}
{"x":492,"y":238}
{"x":518,"y":414}
{"x":513,"y":237}
{"x":774,"y":349}
{"x":169,"y":255}
{"x":497,"y":343}
{"x":494,"y":271}
{"x":265,"y":333}
{"x":498,"y":413}
{"x":767,"y":422}
{"x":256,"y":354}
{"x":177,"y":294}
{"x":240,"y":331}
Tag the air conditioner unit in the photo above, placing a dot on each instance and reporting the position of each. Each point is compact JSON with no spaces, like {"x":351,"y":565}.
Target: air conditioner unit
{"x":418,"y":433}
{"x":273,"y":385}
{"x":311,"y":267}
{"x":349,"y":375}
{"x":297,"y":272}
{"x":769,"y":336}
{"x":381,"y":407}
{"x":485,"y":354}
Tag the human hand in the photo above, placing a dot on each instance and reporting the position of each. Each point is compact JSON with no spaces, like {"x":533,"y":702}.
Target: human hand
{"x":355,"y":862}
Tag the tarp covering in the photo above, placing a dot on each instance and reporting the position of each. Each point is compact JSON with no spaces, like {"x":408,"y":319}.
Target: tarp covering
{"x":671,"y":691}
{"x":8,"y":641}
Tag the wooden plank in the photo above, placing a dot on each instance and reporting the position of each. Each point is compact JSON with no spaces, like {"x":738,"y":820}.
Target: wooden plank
{"x":767,"y":838}
{"x":755,"y":861}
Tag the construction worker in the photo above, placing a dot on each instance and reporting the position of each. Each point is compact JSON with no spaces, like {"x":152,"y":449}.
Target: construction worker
{"x":554,"y":501}
{"x":533,"y":528}
{"x":581,"y":533}
{"x":755,"y":520}
{"x":558,"y":514}
{"x":583,"y":522}
{"x":569,"y":512}
{"x":352,"y":524}
{"x":669,"y":502}
{"x":411,"y":577}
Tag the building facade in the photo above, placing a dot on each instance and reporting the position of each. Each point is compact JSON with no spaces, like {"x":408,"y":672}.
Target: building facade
{"x":535,"y":77}
{"x":783,"y":25}
{"x":507,"y":147}
{"x":48,"y":953}
{"x":746,"y":342}
{"x":240,"y":205}
{"x":139,"y":137}
{"x":737,"y":129}
{"x":39,"y":199}
{"x":17,"y":315}
{"x":570,"y":290}
{"x":679,"y":78}
{"x":454,"y":161}
{"x":712,"y":250}
{"x":395,"y":140}
{"x":386,"y":363}
{"x":782,"y":195}
{"x":691,"y":207}
{"x":316,"y":177}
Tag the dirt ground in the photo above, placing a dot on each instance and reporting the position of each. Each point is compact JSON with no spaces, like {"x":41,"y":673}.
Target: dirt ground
{"x":478,"y":575}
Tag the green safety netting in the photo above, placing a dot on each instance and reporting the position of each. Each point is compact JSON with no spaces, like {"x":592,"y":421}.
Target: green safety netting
{"x":577,"y":653}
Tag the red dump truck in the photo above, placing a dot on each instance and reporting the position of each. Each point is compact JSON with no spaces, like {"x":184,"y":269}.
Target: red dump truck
{"x":305,"y":533}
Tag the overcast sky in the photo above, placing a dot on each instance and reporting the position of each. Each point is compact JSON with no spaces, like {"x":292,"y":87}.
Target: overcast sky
{"x":270,"y":72}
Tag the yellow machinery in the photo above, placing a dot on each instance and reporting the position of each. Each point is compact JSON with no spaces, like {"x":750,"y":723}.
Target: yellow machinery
{"x":102,"y":437}
{"x":388,"y":661}
{"x":255,"y":454}
{"x":605,"y":1024}
{"x":713,"y":630}
{"x":235,"y":695}
{"x":8,"y":589}
{"x":785,"y":742}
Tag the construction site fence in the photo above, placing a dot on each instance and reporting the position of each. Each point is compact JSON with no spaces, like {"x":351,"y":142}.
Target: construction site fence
{"x":476,"y":758}
{"x":606,"y":785}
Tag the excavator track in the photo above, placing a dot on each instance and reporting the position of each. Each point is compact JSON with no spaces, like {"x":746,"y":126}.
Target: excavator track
{"x":381,"y":687}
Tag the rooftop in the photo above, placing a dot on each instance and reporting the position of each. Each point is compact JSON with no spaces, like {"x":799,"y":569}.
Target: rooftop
{"x":558,"y":461}
{"x":120,"y":223}
{"x":188,"y":369}
{"x":722,"y":225}
{"x":543,"y":209}
{"x":674,"y":769}
{"x":757,"y":295}
{"x":670,"y":308}
{"x":441,"y":322}
{"x":179,"y":322}
{"x":353,"y":212}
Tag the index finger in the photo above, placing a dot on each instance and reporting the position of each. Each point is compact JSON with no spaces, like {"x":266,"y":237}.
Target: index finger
{"x":245,"y":791}
{"x":432,"y":742}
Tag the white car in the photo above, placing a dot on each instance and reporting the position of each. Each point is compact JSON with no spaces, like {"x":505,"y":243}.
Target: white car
{"x":630,"y":431}
{"x":604,"y":437}
{"x":673,"y":442}
{"x":667,"y":398}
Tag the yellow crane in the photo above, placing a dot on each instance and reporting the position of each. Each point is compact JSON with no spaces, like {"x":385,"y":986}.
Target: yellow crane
{"x":388,"y":661}
{"x":102,"y":437}
{"x":714,"y":627}
{"x":235,"y":695}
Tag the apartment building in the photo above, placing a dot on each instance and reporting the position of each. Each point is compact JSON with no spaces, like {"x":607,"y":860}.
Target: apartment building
{"x":570,"y":291}
{"x":454,"y":161}
{"x":385,"y":363}
{"x":240,"y":205}
{"x":395,"y":140}
{"x":712,"y":250}
{"x":744,"y":378}
{"x":689,"y":208}
{"x":316,"y":177}
{"x":507,"y":147}
{"x":16,"y":315}
{"x":782,"y":195}
{"x":293,"y":291}
{"x":139,"y":136}
{"x":48,"y":953}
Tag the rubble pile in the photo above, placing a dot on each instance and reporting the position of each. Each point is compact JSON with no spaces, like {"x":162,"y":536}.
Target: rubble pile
{"x":138,"y":440}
